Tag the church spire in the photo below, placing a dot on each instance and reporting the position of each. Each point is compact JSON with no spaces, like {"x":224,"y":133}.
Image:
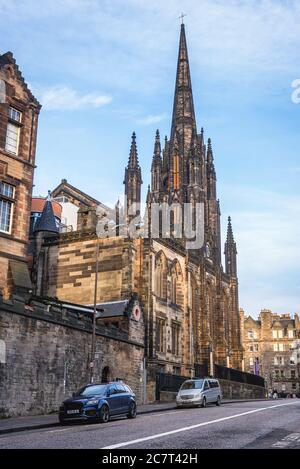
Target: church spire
{"x":183,"y":107}
{"x":230,"y":252}
{"x":133,"y":178}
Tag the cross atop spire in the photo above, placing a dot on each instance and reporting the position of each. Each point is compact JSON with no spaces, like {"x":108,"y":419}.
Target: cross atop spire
{"x":181,"y":17}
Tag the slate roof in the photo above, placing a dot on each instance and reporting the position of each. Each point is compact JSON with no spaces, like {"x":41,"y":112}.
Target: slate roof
{"x":47,"y":220}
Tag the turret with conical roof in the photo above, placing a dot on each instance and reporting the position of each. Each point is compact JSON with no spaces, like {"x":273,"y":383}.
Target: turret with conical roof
{"x":47,"y":222}
{"x":46,"y":227}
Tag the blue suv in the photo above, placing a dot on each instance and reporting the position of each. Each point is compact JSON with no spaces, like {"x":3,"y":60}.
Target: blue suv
{"x":98,"y":402}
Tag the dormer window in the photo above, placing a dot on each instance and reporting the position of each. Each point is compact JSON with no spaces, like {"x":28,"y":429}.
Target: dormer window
{"x":13,"y":131}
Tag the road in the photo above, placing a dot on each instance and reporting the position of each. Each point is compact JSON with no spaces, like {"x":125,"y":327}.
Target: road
{"x":269,"y":424}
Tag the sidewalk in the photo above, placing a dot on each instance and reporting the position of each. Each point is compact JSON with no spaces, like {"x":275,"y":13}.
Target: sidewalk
{"x":19,"y":424}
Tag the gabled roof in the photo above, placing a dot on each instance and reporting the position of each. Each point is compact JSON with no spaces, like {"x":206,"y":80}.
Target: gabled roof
{"x":65,"y":188}
{"x":8,"y":59}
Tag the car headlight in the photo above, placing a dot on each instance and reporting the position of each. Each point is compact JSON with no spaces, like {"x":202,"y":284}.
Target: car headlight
{"x":92,"y":402}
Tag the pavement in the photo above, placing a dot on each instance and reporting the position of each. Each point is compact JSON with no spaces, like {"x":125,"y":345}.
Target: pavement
{"x":18,"y":424}
{"x":248,"y":424}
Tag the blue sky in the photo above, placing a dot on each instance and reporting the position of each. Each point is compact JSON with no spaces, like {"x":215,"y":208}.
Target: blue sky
{"x":105,"y":68}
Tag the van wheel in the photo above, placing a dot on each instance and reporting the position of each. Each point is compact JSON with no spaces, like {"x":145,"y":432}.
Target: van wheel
{"x":203,"y":402}
{"x":104,"y":414}
{"x":218,"y":403}
{"x":132,"y":411}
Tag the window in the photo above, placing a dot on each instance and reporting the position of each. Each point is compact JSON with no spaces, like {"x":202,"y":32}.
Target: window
{"x":14,"y":114}
{"x":12,"y":138}
{"x":293,"y":374}
{"x":160,"y":335}
{"x":281,"y":347}
{"x":6,"y":206}
{"x":280,"y":335}
{"x":292,"y":361}
{"x":175,"y":338}
{"x":250,"y":335}
{"x":251,"y":361}
{"x":291,"y":333}
{"x":278,"y":361}
{"x":275,"y":347}
{"x":274,"y":334}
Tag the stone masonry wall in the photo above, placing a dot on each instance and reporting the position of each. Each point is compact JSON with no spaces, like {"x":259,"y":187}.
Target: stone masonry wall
{"x":45,"y":357}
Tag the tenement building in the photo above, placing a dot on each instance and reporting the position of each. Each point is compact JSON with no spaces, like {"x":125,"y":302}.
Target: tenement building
{"x":190,"y":303}
{"x":271,"y":345}
{"x":19,"y":112}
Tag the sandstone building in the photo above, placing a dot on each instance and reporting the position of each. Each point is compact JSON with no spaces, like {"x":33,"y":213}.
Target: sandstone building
{"x":190,"y":302}
{"x":271,"y":349}
{"x":19,"y":112}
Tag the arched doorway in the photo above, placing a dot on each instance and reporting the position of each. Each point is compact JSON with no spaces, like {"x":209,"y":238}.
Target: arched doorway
{"x":105,"y":374}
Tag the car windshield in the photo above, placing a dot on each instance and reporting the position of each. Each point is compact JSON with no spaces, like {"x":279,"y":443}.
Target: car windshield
{"x":192,"y":384}
{"x":97,"y":390}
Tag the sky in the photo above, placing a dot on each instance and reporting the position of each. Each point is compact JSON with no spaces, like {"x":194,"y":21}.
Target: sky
{"x":103,"y":69}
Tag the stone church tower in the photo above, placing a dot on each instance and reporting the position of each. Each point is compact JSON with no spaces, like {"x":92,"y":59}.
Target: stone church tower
{"x":184,"y":173}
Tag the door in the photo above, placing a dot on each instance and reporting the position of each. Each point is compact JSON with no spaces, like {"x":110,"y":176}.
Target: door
{"x":124,"y":398}
{"x":206,"y":391}
{"x":113,"y":400}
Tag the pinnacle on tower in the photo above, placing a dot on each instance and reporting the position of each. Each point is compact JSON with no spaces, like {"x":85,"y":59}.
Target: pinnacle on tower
{"x":133,"y":155}
{"x":230,"y":252}
{"x":230,"y":237}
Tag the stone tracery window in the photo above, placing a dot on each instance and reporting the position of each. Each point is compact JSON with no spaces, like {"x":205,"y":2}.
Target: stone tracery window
{"x":161,"y":276}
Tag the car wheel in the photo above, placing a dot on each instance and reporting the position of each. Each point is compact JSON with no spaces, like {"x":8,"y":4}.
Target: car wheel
{"x":203,"y":402}
{"x":104,"y":414}
{"x":132,"y":411}
{"x":218,"y":403}
{"x":62,"y":421}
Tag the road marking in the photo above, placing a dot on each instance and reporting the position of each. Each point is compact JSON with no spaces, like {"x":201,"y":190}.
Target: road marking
{"x":184,"y":429}
{"x":56,"y":431}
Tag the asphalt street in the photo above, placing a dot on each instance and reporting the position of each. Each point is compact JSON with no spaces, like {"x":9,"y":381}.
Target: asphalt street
{"x":269,"y":424}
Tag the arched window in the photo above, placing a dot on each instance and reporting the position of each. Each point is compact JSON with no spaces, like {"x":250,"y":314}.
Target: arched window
{"x":161,"y":276}
{"x":176,"y":293}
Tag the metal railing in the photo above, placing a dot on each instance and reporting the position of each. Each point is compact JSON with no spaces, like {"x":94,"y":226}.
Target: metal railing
{"x":222,"y":372}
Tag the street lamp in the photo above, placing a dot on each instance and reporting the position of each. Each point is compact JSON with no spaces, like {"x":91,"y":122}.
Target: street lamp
{"x":110,"y":226}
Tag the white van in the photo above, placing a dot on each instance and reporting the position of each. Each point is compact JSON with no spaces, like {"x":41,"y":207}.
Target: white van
{"x":199,"y":392}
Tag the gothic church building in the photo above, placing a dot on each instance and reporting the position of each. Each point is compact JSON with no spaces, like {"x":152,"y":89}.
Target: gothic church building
{"x":189,"y":301}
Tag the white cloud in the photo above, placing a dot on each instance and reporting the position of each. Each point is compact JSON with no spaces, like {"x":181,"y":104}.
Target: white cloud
{"x":152,"y":119}
{"x":63,"y":98}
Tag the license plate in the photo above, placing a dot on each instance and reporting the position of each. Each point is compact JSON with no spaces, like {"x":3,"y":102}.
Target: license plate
{"x":73,"y":411}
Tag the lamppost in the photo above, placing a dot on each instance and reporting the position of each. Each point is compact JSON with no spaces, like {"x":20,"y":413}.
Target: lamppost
{"x":110,"y":226}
